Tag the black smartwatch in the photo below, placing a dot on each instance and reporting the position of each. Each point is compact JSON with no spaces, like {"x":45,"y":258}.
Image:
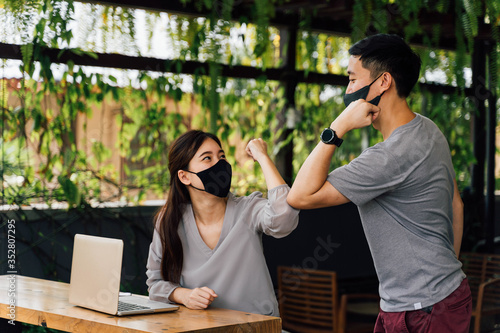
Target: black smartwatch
{"x":329,"y":137}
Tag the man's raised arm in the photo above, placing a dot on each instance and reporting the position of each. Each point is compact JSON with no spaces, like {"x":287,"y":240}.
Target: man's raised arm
{"x":310,"y":188}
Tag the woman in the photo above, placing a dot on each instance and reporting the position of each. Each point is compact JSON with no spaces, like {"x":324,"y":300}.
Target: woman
{"x":207,"y":243}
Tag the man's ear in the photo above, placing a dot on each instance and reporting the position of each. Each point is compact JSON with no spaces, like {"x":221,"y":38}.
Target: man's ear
{"x":387,"y":81}
{"x":183,"y":177}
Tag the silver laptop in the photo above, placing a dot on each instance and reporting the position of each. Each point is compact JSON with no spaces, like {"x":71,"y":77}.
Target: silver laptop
{"x":95,"y":279}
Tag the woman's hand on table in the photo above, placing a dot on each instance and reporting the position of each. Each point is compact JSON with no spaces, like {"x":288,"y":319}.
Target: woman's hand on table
{"x":196,"y":299}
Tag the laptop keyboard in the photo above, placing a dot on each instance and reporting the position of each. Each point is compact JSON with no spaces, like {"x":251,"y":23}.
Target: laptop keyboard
{"x":123,"y":306}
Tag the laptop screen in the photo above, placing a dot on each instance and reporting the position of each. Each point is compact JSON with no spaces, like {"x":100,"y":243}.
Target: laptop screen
{"x":96,"y":272}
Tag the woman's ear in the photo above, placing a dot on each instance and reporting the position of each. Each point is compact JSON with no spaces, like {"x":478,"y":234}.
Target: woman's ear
{"x":183,"y":177}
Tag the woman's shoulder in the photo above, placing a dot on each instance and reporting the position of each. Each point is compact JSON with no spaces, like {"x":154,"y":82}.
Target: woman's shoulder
{"x":246,"y":198}
{"x":278,"y":191}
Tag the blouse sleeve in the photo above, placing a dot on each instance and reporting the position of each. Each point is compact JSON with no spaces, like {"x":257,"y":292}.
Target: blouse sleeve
{"x":159,"y":289}
{"x":274,"y":216}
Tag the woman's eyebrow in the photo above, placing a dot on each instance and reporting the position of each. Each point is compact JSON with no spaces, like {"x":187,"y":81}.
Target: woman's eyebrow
{"x":210,"y":153}
{"x":205,"y":153}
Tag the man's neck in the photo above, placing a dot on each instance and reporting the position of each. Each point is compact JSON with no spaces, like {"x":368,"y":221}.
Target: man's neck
{"x":396,"y":113}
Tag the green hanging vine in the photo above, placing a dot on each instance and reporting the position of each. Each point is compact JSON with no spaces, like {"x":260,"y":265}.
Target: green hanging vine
{"x":81,"y":174}
{"x":51,"y":153}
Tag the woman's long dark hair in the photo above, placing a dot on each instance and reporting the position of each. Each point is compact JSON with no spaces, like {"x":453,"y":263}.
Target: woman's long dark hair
{"x":169,"y":216}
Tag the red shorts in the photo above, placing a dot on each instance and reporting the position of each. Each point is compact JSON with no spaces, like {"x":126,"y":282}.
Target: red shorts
{"x":451,"y":315}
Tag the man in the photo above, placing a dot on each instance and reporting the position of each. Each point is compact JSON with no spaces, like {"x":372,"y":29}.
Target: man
{"x":405,"y":190}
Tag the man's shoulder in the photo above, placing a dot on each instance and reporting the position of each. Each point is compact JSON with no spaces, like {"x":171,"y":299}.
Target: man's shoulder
{"x":418,"y":129}
{"x":428,"y":123}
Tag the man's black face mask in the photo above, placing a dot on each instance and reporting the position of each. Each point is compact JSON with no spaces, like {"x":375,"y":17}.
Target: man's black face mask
{"x":361,"y":94}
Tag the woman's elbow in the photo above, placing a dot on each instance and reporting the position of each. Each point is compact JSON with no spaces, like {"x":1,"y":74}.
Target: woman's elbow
{"x":284,"y":226}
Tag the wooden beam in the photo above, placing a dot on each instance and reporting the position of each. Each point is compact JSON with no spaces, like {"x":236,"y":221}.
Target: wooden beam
{"x":285,"y":15}
{"x":13,"y":51}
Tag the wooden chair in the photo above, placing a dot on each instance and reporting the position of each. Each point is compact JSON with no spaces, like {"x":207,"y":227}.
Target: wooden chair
{"x":364,"y":309}
{"x":307,"y":300}
{"x":483,"y":273}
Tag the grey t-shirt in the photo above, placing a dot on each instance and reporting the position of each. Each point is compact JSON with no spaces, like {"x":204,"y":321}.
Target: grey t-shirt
{"x":403,"y":188}
{"x":236,"y":268}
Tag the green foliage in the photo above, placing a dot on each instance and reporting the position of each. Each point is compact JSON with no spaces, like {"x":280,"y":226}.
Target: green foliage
{"x":44,"y":160}
{"x":361,"y":20}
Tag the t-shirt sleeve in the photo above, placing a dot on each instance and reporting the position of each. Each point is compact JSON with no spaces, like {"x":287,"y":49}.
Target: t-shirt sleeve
{"x":375,"y":172}
{"x":159,"y":289}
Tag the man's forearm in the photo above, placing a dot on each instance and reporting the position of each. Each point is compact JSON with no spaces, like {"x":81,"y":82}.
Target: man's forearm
{"x":312,"y":175}
{"x":457,"y":243}
{"x":458,"y":220}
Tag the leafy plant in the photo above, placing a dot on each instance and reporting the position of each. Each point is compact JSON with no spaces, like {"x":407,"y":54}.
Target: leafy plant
{"x":50,"y":163}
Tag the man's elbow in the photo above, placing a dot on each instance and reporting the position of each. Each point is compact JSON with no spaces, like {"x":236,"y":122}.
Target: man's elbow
{"x":293,"y":200}
{"x":297,"y":201}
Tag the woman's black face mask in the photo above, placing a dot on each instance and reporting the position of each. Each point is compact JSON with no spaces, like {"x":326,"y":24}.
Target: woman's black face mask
{"x":216,"y":179}
{"x":361,"y":94}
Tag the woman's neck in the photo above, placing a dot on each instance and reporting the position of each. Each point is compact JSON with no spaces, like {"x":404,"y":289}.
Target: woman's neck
{"x":209,"y":211}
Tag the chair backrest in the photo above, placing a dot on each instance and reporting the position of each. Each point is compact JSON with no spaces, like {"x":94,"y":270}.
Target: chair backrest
{"x":307,"y":299}
{"x":479,"y":268}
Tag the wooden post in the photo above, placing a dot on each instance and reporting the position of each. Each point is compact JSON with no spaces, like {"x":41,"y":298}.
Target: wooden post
{"x":478,"y":125}
{"x":284,"y":158}
{"x":489,"y":219}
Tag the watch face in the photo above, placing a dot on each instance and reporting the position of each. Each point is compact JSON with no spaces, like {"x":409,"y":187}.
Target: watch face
{"x":327,"y":135}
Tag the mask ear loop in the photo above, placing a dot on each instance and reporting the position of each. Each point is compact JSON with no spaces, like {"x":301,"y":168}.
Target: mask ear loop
{"x":376,"y":100}
{"x":376,"y":80}
{"x":194,"y":173}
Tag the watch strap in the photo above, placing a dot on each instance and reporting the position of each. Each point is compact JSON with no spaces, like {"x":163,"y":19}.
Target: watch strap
{"x":337,"y":141}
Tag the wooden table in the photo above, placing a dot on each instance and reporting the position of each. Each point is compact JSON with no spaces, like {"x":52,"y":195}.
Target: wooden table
{"x":45,"y":303}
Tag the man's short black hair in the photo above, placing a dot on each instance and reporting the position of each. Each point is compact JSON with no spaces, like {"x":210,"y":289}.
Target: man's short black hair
{"x":389,"y":53}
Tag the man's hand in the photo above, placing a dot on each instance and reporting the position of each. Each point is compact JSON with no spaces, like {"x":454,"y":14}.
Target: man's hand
{"x":358,"y":114}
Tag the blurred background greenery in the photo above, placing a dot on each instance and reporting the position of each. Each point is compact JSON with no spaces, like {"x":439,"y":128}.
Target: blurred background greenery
{"x":93,"y":93}
{"x":85,"y":135}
